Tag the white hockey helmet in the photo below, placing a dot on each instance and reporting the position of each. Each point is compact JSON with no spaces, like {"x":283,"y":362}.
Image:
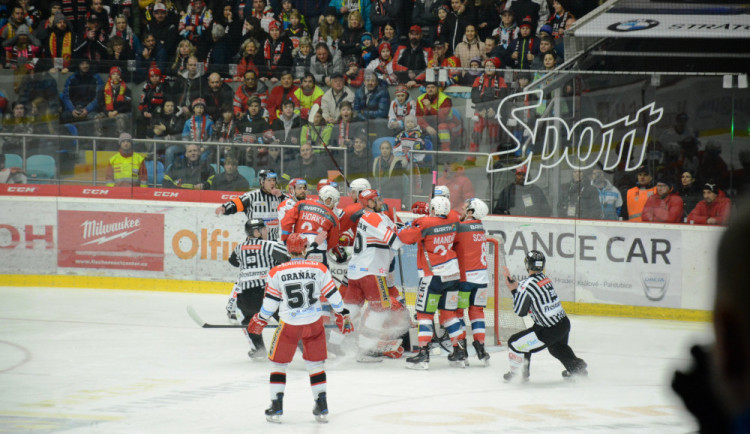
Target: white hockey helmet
{"x":328,"y":192}
{"x":359,"y":184}
{"x":478,"y":206}
{"x":441,"y":205}
{"x":442,"y":190}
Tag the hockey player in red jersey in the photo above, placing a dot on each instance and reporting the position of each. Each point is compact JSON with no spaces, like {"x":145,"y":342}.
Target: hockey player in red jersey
{"x":471,"y":250}
{"x":438,"y":275}
{"x":375,"y":244}
{"x":296,"y":191}
{"x":438,"y":191}
{"x":294,"y":289}
{"x":313,"y":217}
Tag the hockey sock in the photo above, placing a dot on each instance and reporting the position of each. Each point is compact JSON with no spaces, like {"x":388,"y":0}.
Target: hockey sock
{"x":317,"y":377}
{"x":278,"y":379}
{"x":460,"y":316}
{"x":476,"y":316}
{"x":425,"y":328}
{"x":450,"y":322}
{"x":515,"y":361}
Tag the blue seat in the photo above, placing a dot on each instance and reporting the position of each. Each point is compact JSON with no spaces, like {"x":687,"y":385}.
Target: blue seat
{"x":40,"y":168}
{"x":248,"y":173}
{"x":13,"y":160}
{"x":217,"y":169}
{"x":379,"y":141}
{"x":159,"y":172}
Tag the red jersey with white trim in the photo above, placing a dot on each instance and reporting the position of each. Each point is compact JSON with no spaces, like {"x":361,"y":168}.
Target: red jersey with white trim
{"x":434,"y":237}
{"x":285,"y":206}
{"x":310,"y":217}
{"x":375,"y":244}
{"x":471,"y":250}
{"x":295,"y":288}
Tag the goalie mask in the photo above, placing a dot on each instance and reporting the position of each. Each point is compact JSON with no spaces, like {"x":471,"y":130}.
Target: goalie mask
{"x":478,"y":207}
{"x":440,"y":205}
{"x":534,"y":260}
{"x":253,"y":224}
{"x":329,"y":192}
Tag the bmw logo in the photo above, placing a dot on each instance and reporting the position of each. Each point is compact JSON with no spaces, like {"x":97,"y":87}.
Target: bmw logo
{"x":633,"y":25}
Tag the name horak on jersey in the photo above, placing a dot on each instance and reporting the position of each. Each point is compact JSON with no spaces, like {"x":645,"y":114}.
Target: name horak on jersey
{"x":300,"y":275}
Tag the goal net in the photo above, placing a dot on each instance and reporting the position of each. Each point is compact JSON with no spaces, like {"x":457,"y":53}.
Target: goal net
{"x":500,"y":320}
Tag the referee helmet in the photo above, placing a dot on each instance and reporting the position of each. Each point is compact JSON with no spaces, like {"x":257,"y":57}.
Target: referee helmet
{"x":534,"y":260}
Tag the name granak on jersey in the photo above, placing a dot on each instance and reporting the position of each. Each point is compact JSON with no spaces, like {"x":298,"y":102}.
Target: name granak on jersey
{"x":299,"y":275}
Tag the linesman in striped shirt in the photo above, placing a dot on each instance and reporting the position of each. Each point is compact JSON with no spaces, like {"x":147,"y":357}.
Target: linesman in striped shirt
{"x":536,"y":295}
{"x":262,"y":203}
{"x":255,"y":257}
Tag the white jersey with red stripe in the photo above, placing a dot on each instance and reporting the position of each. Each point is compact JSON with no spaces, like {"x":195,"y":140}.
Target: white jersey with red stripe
{"x":471,"y":250}
{"x":375,"y":244}
{"x":295,"y":288}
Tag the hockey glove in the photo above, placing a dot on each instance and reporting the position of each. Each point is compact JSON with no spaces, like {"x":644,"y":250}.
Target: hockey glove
{"x":232,"y":308}
{"x":339,"y":255}
{"x":346,"y":238}
{"x":256,"y":325}
{"x":420,"y":208}
{"x":343,"y":321}
{"x":396,"y":304}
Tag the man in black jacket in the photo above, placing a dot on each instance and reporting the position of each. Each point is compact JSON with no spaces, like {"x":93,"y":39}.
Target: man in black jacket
{"x":217,"y":95}
{"x":79,"y":94}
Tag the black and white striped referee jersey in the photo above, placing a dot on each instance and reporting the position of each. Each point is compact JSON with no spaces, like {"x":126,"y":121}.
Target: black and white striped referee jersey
{"x":260,"y":205}
{"x":536,"y":295}
{"x":256,"y":257}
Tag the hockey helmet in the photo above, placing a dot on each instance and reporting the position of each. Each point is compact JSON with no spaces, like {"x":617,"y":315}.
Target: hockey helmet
{"x":442,"y":190}
{"x":359,"y":184}
{"x":323,"y":182}
{"x":328,"y":192}
{"x":296,"y":244}
{"x":367,"y":195}
{"x":534,"y":260}
{"x":294,"y":183}
{"x":253,"y":224}
{"x":266,"y":173}
{"x":440,"y":205}
{"x":478,"y":206}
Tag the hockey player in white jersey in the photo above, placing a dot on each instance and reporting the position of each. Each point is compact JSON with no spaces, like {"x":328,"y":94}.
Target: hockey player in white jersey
{"x":375,"y":244}
{"x":536,"y":295}
{"x":294,"y":289}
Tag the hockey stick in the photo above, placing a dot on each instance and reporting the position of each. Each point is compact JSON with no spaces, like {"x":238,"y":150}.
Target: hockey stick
{"x":198,"y":320}
{"x":435,"y":325}
{"x":310,"y":121}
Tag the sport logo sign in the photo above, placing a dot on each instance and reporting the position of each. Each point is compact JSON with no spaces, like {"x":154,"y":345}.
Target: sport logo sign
{"x":576,"y":144}
{"x":111,"y":240}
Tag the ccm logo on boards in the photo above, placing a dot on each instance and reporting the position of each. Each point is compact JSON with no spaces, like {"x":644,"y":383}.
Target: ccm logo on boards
{"x":95,"y":191}
{"x":22,"y":189}
{"x":166,"y":194}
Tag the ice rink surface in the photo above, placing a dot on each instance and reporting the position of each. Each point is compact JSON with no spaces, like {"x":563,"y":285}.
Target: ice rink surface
{"x":96,"y":361}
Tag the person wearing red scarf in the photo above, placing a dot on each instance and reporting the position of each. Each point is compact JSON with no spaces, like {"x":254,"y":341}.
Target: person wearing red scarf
{"x":115,"y":99}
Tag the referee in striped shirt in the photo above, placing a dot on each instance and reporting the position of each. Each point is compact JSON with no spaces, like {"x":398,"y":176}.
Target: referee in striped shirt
{"x":255,"y":257}
{"x":551,"y":328}
{"x":262,"y":203}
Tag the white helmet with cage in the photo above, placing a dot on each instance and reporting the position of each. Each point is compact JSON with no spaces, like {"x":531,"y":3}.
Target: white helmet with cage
{"x":329,"y":192}
{"x":440,"y":205}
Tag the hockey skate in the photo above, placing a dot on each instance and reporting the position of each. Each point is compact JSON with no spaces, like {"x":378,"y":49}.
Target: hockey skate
{"x":511,"y":376}
{"x":335,"y":350}
{"x":421,"y":360}
{"x":321,"y":408}
{"x":481,"y":353}
{"x":257,"y":353}
{"x":458,"y":357}
{"x":579,"y":372}
{"x":274,"y":412}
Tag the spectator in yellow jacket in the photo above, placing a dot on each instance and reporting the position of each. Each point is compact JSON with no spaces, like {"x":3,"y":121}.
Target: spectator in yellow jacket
{"x":127,"y":168}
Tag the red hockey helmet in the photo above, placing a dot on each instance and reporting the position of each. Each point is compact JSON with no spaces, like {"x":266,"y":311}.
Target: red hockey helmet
{"x":323,"y":182}
{"x":367,"y":195}
{"x":296,"y":244}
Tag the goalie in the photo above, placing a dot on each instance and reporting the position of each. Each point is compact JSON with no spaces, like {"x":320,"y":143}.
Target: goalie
{"x":385,"y":318}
